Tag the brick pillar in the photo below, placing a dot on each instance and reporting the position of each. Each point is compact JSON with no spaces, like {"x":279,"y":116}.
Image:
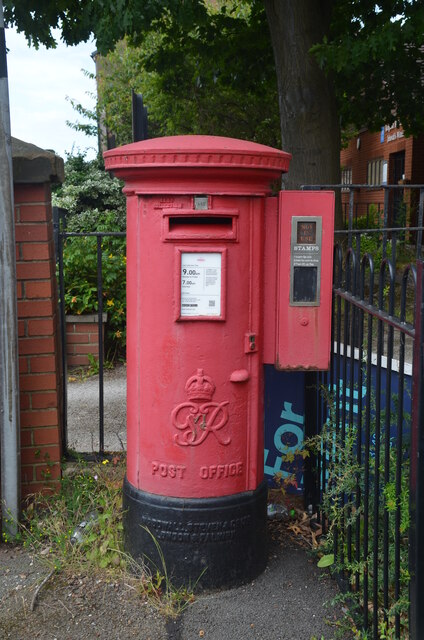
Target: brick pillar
{"x":39,"y":356}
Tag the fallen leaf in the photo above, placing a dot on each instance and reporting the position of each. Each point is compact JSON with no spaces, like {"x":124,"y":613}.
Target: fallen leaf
{"x":45,"y":551}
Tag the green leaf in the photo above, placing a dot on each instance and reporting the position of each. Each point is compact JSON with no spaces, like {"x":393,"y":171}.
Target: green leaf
{"x":326,"y":561}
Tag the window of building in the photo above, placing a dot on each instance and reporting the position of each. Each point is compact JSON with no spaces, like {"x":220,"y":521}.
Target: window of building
{"x":346,"y":175}
{"x":384,"y":172}
{"x":377,"y":172}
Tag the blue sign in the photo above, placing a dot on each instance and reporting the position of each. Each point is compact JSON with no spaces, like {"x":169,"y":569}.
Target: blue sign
{"x":284,"y":423}
{"x":285,"y":412}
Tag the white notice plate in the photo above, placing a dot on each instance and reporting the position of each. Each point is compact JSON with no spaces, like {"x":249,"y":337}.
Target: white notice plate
{"x":201,"y":284}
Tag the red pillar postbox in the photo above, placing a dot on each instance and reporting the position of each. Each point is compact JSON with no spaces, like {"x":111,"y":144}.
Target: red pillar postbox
{"x":195,"y":351}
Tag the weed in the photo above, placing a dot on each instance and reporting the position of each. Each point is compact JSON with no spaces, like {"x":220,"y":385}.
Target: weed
{"x":383,"y":526}
{"x":155,"y":585}
{"x":49,"y":522}
{"x":79,"y":530}
{"x":80,"y":374}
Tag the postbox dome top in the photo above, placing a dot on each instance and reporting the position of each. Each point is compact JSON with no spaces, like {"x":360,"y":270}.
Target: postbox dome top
{"x":180,"y":162}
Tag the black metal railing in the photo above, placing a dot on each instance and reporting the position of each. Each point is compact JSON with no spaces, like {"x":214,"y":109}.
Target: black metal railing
{"x":370,"y":426}
{"x":61,"y":237}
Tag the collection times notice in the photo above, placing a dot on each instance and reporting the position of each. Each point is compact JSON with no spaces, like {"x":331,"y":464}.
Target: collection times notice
{"x":201,"y":284}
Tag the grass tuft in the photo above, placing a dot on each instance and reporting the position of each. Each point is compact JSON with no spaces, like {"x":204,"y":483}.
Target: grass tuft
{"x":79,"y":531}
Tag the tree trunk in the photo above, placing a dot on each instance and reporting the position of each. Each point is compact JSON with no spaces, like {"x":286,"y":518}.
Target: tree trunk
{"x":310,"y":127}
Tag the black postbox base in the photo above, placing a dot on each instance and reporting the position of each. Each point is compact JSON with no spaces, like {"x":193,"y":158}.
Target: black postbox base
{"x":208,"y":542}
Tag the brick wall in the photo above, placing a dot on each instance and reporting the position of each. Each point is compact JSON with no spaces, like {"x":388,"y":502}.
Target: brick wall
{"x":82,"y":337}
{"x":371,"y":147}
{"x":356,"y":155}
{"x":39,"y":363}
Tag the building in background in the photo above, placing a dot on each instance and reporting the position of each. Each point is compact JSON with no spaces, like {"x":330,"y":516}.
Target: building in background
{"x":376,"y":159}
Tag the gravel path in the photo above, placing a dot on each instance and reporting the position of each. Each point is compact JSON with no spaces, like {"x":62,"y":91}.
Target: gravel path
{"x":83,"y":412}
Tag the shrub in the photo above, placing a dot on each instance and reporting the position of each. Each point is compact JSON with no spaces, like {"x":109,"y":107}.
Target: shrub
{"x":94,"y":203}
{"x":80,"y":277}
{"x":347,"y":480}
{"x":92,"y":198}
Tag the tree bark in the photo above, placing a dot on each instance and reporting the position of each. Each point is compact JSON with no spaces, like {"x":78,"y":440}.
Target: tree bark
{"x":310,"y":128}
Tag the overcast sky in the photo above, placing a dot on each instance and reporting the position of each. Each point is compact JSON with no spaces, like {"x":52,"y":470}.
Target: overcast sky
{"x":39,"y":82}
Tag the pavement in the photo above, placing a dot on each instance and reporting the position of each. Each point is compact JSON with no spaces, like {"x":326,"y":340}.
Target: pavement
{"x":289,"y":601}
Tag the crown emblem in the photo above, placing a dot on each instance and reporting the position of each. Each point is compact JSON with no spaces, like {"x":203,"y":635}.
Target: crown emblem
{"x":200,"y":387}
